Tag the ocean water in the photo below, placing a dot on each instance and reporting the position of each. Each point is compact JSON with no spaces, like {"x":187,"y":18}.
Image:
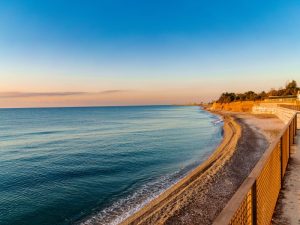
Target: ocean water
{"x":96,"y":165}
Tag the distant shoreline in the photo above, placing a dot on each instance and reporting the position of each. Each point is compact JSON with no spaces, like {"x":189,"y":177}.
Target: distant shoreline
{"x":102,"y":106}
{"x":96,"y":106}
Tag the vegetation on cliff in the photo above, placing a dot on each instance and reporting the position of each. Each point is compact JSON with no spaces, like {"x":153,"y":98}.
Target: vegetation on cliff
{"x":291,"y":88}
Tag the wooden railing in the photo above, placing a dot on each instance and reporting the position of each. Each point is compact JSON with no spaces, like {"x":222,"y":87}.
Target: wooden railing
{"x":255,"y":200}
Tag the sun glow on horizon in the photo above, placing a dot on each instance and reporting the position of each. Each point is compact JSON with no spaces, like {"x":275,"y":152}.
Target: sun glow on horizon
{"x":114,"y":53}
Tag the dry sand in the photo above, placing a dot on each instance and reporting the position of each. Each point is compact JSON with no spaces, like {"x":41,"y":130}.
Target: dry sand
{"x":201,"y":195}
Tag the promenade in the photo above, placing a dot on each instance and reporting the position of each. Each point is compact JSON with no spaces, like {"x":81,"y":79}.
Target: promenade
{"x":288,"y":206}
{"x":270,"y":194}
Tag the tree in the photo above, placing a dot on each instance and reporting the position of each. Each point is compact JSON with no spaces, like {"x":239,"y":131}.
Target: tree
{"x":227,"y":97}
{"x":290,"y":89}
{"x":292,"y":85}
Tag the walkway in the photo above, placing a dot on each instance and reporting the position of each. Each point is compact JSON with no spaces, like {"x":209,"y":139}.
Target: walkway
{"x":288,"y":206}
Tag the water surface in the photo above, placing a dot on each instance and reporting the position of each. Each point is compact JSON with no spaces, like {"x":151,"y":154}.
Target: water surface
{"x":99,"y":164}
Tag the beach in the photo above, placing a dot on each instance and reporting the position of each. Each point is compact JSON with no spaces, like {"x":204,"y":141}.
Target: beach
{"x":203,"y":193}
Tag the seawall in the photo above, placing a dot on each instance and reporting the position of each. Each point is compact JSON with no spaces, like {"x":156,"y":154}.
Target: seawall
{"x":281,"y":111}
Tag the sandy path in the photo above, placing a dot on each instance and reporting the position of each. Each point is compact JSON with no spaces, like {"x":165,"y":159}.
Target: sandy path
{"x":199,"y":197}
{"x":287,"y":210}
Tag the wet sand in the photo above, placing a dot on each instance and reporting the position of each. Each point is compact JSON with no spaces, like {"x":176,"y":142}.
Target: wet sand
{"x":201,"y":195}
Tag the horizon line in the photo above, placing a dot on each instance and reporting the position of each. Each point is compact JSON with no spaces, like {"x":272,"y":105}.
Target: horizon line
{"x":96,"y":106}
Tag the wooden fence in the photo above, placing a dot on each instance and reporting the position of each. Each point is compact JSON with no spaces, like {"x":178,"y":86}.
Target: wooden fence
{"x":255,"y":200}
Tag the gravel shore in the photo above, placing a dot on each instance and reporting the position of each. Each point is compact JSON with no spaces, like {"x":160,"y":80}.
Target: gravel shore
{"x":200,"y":197}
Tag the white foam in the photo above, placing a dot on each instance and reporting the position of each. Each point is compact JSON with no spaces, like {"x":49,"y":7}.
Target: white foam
{"x":125,"y":207}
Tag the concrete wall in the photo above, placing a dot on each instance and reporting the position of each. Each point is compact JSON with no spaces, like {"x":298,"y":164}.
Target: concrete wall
{"x":283,"y":114}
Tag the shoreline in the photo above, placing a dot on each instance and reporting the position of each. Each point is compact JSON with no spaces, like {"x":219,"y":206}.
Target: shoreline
{"x":176,"y":196}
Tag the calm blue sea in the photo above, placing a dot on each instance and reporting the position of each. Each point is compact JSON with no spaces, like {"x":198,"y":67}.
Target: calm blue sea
{"x":96,"y":165}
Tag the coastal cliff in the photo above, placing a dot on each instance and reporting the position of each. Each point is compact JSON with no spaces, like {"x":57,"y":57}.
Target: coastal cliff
{"x":240,"y":106}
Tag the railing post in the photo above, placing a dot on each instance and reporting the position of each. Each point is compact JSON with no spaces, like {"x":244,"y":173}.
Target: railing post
{"x":294,"y":127}
{"x":293,"y":130}
{"x":296,"y":123}
{"x":288,"y":141}
{"x":290,"y":134}
{"x":254,"y":204}
{"x":281,"y":158}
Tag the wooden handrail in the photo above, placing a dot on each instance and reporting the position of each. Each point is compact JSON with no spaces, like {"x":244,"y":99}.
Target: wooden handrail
{"x":228,"y":213}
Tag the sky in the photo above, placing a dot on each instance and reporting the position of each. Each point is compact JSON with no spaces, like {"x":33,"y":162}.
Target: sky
{"x":133,"y":52}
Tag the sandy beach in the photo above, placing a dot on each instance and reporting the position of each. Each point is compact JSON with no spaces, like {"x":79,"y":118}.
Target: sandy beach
{"x":202,"y":194}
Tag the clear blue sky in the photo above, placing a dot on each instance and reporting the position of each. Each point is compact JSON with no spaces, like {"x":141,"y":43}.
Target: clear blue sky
{"x":155,"y":50}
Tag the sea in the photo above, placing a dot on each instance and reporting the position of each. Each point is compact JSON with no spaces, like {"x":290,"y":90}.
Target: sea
{"x":96,"y":165}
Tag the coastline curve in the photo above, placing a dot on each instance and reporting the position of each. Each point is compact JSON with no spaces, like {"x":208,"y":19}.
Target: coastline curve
{"x":165,"y":205}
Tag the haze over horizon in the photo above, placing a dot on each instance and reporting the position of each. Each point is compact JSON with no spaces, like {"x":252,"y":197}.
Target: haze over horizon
{"x":57,"y":53}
